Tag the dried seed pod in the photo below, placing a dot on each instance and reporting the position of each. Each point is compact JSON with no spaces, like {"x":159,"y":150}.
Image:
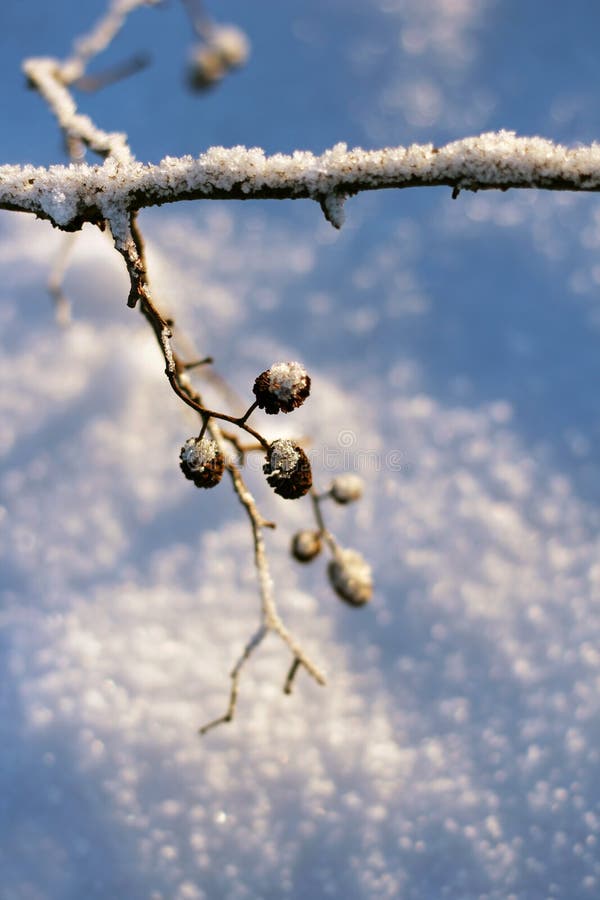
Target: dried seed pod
{"x":282,"y":388}
{"x":351,"y":577}
{"x":202,"y":462}
{"x":306,"y":545}
{"x":288,"y":470}
{"x":232,"y":45}
{"x":226,"y":48}
{"x":205,"y":68}
{"x":347,"y":488}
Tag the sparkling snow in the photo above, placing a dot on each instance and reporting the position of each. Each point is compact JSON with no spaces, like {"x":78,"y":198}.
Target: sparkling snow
{"x":286,"y":379}
{"x":453,"y":348}
{"x":283,"y":456}
{"x":452,"y":752}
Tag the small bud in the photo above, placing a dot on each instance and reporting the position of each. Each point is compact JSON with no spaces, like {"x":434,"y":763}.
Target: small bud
{"x":202,"y":462}
{"x":232,"y":45}
{"x":226,"y":48}
{"x":346,"y":488}
{"x":351,"y":578}
{"x":306,"y":545}
{"x":283,"y":387}
{"x":205,"y":69}
{"x":288,"y":470}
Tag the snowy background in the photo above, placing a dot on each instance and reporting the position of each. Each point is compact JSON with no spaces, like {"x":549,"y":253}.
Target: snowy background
{"x":453,"y":347}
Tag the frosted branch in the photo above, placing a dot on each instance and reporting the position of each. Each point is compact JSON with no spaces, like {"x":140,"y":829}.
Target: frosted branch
{"x":72,"y":195}
{"x":100,"y":37}
{"x":46,"y":76}
{"x":51,"y":79}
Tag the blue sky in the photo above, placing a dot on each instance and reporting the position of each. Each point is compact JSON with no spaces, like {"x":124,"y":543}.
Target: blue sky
{"x":453,"y":351}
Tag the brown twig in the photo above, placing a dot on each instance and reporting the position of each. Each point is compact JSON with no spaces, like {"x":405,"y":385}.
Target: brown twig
{"x":287,"y":687}
{"x":134,"y":254}
{"x":324,"y":532}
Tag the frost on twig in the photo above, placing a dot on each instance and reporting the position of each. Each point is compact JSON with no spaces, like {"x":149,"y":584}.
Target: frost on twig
{"x":52,"y":79}
{"x":333,"y":209}
{"x":45,"y":75}
{"x":99,"y":37}
{"x":72,"y":195}
{"x":271,"y":620}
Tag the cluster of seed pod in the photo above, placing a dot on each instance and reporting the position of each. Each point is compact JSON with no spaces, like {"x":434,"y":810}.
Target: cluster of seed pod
{"x":225,"y":48}
{"x":202,"y":462}
{"x":282,"y":388}
{"x":348,"y":572}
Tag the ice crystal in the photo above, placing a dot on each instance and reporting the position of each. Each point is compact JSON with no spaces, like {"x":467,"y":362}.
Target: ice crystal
{"x":286,"y":379}
{"x":283,"y":457}
{"x":198,"y":453}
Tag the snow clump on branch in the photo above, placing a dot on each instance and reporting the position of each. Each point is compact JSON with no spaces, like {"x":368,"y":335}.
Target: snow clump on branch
{"x":347,"y":488}
{"x":226,"y":48}
{"x":288,"y":470}
{"x":202,"y":462}
{"x":282,"y":388}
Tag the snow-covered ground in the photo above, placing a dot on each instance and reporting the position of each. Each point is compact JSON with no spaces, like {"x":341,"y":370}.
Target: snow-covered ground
{"x":453,"y":352}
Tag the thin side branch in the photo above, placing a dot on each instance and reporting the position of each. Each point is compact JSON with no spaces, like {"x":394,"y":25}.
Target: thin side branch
{"x":102,"y":34}
{"x":269,"y":609}
{"x":46,"y":76}
{"x":70,"y":196}
{"x":132,"y":250}
{"x":229,"y":713}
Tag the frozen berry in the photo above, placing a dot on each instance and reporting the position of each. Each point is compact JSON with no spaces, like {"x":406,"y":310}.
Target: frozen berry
{"x":288,"y":470}
{"x":282,"y":388}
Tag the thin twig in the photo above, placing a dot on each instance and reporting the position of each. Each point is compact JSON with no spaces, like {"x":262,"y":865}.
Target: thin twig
{"x":318,"y":513}
{"x":240,"y":447}
{"x":195,"y":364}
{"x":287,"y":688}
{"x":163,"y":329}
{"x":92,"y":83}
{"x":98,"y":39}
{"x":62,"y":305}
{"x":45,"y":76}
{"x":134,"y":255}
{"x":269,"y":608}
{"x":229,"y":713}
{"x":198,"y":18}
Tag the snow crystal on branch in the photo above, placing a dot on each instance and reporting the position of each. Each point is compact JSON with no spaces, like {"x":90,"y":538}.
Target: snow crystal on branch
{"x":71,"y":195}
{"x":46,"y":75}
{"x":286,"y":378}
{"x":284,"y":456}
{"x":198,"y":453}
